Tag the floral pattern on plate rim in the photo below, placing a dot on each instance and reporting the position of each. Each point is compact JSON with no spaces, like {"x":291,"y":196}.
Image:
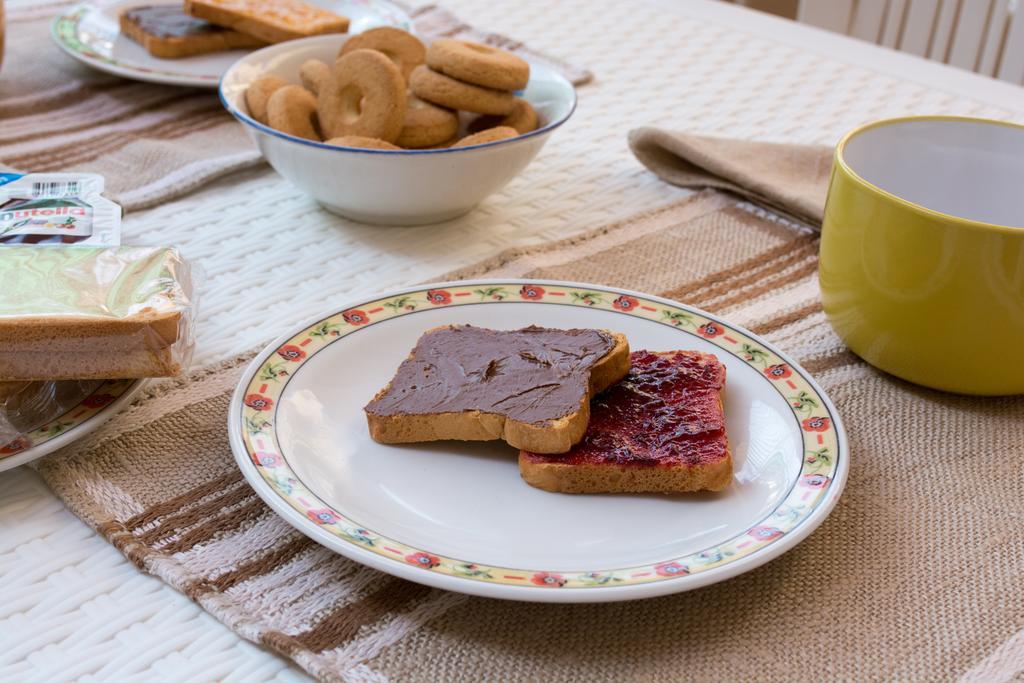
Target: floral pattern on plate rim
{"x":93,"y":404}
{"x":821,"y":441}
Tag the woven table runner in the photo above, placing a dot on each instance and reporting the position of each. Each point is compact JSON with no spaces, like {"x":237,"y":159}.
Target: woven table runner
{"x":151,"y":142}
{"x":915,"y":575}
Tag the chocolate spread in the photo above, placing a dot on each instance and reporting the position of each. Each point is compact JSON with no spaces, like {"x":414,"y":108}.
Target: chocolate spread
{"x":169,"y":21}
{"x":532,"y":375}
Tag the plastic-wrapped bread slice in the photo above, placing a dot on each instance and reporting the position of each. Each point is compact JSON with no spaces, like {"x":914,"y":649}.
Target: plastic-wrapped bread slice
{"x":94,"y":313}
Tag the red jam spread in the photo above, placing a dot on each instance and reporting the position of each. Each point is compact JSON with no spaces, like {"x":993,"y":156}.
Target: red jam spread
{"x":667,"y":411}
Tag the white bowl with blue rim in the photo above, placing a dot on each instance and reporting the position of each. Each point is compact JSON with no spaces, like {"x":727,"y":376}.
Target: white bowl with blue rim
{"x":406,"y":187}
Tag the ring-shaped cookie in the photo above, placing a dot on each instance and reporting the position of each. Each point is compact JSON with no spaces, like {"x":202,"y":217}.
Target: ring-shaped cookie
{"x":485,"y":136}
{"x":401,"y":47}
{"x":292,"y":110}
{"x":361,"y":142}
{"x":313,"y":73}
{"x":426,"y":125}
{"x":523,"y":118}
{"x":445,"y":91}
{"x":478,"y":64}
{"x":365,"y":95}
{"x":258,"y":94}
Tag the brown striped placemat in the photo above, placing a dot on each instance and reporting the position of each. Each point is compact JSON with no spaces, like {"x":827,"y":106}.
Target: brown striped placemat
{"x":915,"y":576}
{"x":151,"y":142}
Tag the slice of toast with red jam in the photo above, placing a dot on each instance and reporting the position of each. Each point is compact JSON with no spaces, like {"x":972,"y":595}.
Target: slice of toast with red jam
{"x":659,"y":430}
{"x":530,"y":387}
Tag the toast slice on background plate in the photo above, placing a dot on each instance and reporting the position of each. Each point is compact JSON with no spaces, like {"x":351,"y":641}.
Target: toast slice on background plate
{"x":659,"y":430}
{"x":166,"y":32}
{"x":530,"y":387}
{"x":274,"y":21}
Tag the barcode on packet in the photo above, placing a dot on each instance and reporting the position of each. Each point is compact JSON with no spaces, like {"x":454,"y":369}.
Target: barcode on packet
{"x":70,"y":188}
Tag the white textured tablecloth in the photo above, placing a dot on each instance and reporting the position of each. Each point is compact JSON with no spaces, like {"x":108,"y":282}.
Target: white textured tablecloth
{"x":71,"y":608}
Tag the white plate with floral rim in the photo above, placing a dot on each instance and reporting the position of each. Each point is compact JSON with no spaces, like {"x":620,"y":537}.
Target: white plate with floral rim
{"x":107,"y":399}
{"x":457,"y":515}
{"x":90,"y":32}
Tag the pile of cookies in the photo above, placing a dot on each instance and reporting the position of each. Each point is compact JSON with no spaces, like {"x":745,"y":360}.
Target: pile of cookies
{"x":386,"y":90}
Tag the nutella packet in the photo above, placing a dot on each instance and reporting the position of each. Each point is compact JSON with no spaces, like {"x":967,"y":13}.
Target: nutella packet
{"x":57,"y":208}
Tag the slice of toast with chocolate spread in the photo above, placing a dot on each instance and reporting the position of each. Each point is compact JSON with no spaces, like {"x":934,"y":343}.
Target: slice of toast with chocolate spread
{"x":659,"y":430}
{"x":165,"y":31}
{"x":530,"y":387}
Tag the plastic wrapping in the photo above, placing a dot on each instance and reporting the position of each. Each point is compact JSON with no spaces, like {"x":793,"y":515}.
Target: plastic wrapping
{"x":57,"y":208}
{"x":82,"y":313}
{"x":76,"y":308}
{"x":25,"y":406}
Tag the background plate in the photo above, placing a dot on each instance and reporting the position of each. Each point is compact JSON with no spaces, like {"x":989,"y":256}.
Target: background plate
{"x":90,"y":33}
{"x":457,"y":515}
{"x":108,"y":399}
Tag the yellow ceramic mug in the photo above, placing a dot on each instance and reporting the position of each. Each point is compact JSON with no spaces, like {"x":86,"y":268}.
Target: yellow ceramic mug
{"x":922,"y":251}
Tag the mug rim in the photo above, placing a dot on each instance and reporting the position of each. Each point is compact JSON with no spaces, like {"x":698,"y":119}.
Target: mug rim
{"x":960,"y":221}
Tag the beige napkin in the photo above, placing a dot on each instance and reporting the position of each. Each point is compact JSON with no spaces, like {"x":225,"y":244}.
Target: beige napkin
{"x":791,"y":179}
